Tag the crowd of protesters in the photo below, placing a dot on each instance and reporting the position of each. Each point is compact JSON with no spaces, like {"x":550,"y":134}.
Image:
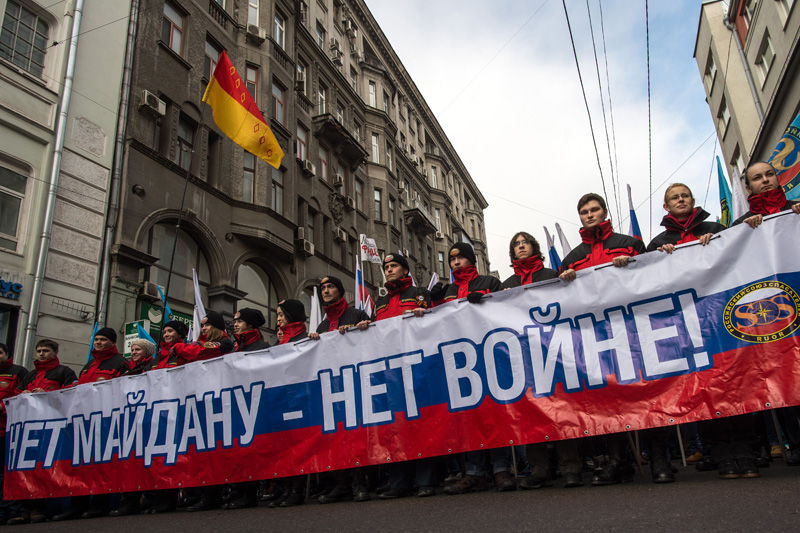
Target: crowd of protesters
{"x":734,"y":446}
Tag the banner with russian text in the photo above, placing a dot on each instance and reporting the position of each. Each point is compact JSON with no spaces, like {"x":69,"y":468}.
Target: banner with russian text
{"x":707,"y":331}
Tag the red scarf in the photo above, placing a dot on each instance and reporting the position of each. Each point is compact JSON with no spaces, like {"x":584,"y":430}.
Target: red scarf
{"x":141,"y":363}
{"x":685,"y":227}
{"x":768,"y":202}
{"x":44,"y":366}
{"x":398,"y":286}
{"x":92,"y":373}
{"x":462,"y":277}
{"x":247,"y":338}
{"x":41,"y":381}
{"x":526,"y":268}
{"x":599,"y":232}
{"x":104,"y":355}
{"x":292,"y":330}
{"x":334,"y":312}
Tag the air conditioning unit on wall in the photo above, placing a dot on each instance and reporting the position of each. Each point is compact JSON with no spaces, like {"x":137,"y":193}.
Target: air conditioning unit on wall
{"x":152,"y":103}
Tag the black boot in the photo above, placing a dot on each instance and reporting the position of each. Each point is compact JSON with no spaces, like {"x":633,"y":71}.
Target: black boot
{"x":616,"y":471}
{"x":211,"y":499}
{"x":659,"y":465}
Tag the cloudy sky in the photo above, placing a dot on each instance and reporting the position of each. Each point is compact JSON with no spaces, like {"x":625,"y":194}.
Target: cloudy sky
{"x":503,"y":84}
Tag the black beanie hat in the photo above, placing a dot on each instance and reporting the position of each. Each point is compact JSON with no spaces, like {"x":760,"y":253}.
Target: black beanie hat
{"x":335,"y":281}
{"x":108,"y":333}
{"x":215,"y":319}
{"x":178,"y":326}
{"x":253,"y":317}
{"x":293,"y":310}
{"x":396,"y":258}
{"x":462,"y":248}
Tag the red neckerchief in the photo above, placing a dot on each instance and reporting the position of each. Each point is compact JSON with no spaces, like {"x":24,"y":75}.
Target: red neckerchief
{"x":599,"y":232}
{"x":334,"y":312}
{"x":768,"y":202}
{"x":247,"y":338}
{"x":164,"y":353}
{"x":144,"y":361}
{"x":462,"y":277}
{"x":44,"y":366}
{"x":526,"y":268}
{"x":292,"y":330}
{"x":6,"y":364}
{"x":685,"y":227}
{"x":104,"y":355}
{"x":398,"y":286}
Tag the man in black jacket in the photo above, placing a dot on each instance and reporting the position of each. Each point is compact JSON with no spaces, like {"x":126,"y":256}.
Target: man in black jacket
{"x":683,"y":222}
{"x":338,"y":313}
{"x":766,"y":194}
{"x":247,"y":336}
{"x":527,"y":261}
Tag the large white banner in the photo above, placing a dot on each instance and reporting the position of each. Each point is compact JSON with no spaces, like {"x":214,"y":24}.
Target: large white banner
{"x":705,"y":332}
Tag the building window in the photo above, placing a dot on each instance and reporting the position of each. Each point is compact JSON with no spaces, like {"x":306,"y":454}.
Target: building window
{"x":748,"y":12}
{"x":357,"y":130}
{"x":340,"y":112}
{"x":23,"y":39}
{"x":279,"y":30}
{"x":359,"y":195}
{"x":442,"y":272}
{"x":354,"y":79}
{"x":277,"y":102}
{"x":261,"y":293}
{"x":322,"y":99}
{"x":385,"y":102}
{"x":737,"y":161}
{"x":376,"y":153}
{"x":248,"y":176}
{"x":300,"y":84}
{"x":373,"y":97}
{"x":786,"y":6}
{"x":710,"y":73}
{"x":438,"y":219}
{"x":311,"y":224}
{"x":766,"y":54}
{"x":389,"y":156}
{"x":252,"y":14}
{"x":211,"y":59}
{"x":302,"y":143}
{"x":406,"y":192}
{"x":320,"y":35}
{"x":341,"y":173}
{"x":323,"y":164}
{"x":378,"y":205}
{"x":251,"y":81}
{"x":12,"y":192}
{"x":434,"y":178}
{"x":188,"y":256}
{"x":723,"y":117}
{"x":391,"y":211}
{"x":277,"y":190}
{"x":183,"y":153}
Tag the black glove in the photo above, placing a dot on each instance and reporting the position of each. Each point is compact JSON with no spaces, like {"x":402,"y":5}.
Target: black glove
{"x":437,"y":292}
{"x":474,"y":297}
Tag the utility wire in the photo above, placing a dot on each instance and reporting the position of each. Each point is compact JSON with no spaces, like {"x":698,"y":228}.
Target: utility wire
{"x":603,"y":107}
{"x":608,"y":89}
{"x":649,"y":120}
{"x":585,"y":101}
{"x":710,"y":172}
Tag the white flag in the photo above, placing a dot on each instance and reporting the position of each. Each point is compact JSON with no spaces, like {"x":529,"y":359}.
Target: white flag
{"x":315,"y":316}
{"x":199,"y":310}
{"x":369,"y":250}
{"x":563,"y":238}
{"x":434,"y":281}
{"x":740,"y":205}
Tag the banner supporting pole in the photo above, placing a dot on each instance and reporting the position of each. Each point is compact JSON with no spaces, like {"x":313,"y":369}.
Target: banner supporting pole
{"x":680,"y":444}
{"x":636,"y":452}
{"x":784,"y":452}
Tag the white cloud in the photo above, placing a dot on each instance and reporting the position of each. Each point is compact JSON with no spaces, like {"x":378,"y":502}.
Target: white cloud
{"x":521,"y":126}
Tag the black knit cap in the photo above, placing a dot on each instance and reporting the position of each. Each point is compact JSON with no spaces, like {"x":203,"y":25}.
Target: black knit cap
{"x":396,"y":258}
{"x":293,"y":310}
{"x":215,"y":319}
{"x":108,"y":333}
{"x":178,"y":326}
{"x":335,"y":281}
{"x":462,"y":248}
{"x":253,"y":317}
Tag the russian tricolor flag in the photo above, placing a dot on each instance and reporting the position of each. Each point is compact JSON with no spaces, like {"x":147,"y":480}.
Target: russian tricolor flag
{"x":634,"y":230}
{"x":363,"y":299}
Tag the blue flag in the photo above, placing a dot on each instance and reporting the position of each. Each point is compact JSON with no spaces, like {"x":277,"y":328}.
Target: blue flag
{"x":91,"y":341}
{"x":555,"y":261}
{"x":786,"y":160}
{"x":634,"y":230}
{"x":167,"y":310}
{"x":143,"y":334}
{"x":724,"y":197}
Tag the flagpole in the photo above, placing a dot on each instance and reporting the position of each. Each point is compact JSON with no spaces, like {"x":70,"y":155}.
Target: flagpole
{"x":180,"y":219}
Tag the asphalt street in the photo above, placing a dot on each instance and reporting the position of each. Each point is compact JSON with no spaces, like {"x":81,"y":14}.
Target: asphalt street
{"x":698,"y":501}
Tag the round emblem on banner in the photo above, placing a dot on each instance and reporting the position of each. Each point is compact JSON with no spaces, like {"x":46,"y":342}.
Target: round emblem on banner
{"x":763,"y":312}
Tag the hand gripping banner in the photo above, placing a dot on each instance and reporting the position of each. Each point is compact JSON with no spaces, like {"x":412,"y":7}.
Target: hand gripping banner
{"x":709,"y":331}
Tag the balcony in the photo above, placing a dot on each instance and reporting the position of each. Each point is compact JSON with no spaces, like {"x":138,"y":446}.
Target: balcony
{"x":340,"y":139}
{"x":418,"y":218}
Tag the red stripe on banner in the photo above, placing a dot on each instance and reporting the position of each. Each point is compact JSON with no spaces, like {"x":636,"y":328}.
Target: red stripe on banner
{"x":742,"y":381}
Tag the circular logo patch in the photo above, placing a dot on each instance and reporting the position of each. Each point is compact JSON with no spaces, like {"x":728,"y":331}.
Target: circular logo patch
{"x":237,"y":316}
{"x":455,"y":251}
{"x":763,"y":312}
{"x":3,"y":384}
{"x":389,"y":258}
